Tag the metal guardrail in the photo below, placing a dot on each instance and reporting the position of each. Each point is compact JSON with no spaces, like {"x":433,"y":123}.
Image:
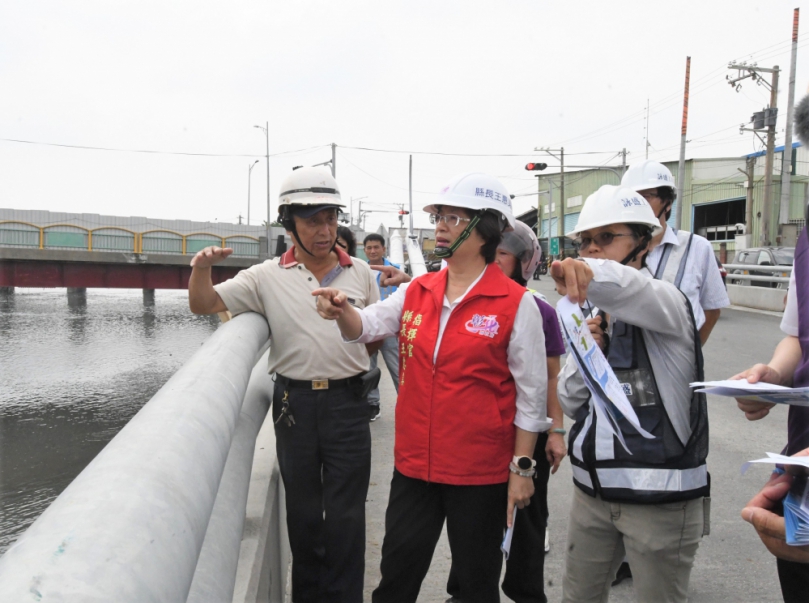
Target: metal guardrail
{"x":110,"y":238}
{"x":159,"y":509}
{"x":745,"y":276}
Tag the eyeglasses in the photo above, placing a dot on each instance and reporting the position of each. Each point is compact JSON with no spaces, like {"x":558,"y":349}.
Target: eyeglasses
{"x":602,"y":239}
{"x":449,"y":219}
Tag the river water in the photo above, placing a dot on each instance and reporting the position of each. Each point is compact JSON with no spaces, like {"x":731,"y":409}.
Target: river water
{"x":74,"y":368}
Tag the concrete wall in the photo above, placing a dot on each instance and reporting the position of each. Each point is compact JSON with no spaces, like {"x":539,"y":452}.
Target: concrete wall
{"x":760,"y":298}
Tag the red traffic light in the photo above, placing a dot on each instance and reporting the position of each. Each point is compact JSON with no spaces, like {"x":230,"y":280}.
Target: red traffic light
{"x":535,"y":167}
{"x":403,"y":212}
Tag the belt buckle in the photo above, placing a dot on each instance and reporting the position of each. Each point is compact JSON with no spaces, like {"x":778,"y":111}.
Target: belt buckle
{"x":320,"y":384}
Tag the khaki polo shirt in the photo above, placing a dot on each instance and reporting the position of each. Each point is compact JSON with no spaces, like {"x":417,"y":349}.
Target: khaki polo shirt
{"x":304,"y":345}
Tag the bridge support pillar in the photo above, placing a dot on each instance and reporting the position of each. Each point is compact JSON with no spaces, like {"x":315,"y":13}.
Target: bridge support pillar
{"x":77,"y":297}
{"x":148,"y":297}
{"x":263,"y":249}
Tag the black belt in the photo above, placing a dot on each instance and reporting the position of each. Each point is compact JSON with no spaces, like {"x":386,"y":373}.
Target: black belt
{"x":318,"y":383}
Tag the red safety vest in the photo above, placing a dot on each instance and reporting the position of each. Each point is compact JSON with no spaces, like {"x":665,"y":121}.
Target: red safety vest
{"x":455,"y":418}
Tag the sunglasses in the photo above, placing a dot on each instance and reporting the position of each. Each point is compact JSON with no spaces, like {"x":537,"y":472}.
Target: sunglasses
{"x":602,"y":239}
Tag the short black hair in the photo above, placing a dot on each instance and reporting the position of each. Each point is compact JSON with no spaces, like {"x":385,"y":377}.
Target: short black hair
{"x":516,"y":276}
{"x":643,"y":234}
{"x":667,"y":195}
{"x":345,"y":233}
{"x":490,"y":230}
{"x":374,"y":237}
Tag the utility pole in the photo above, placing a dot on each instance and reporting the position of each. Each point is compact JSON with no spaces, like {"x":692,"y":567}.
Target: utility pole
{"x":351,"y":210}
{"x":768,"y":205}
{"x":333,"y":160}
{"x":623,"y":161}
{"x":647,"y":129}
{"x":410,"y":195}
{"x":249,"y":170}
{"x":748,"y":208}
{"x":266,"y":129}
{"x":786,"y":162}
{"x":678,"y":223}
{"x":761,"y":120}
{"x":561,"y":223}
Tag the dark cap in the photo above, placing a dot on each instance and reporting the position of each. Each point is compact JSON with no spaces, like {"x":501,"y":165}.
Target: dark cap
{"x":307,"y":211}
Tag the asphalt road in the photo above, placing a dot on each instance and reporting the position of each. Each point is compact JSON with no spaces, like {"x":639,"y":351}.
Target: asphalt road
{"x":731,"y":564}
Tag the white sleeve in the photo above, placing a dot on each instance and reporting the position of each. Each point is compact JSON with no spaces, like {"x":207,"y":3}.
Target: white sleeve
{"x":712,"y":295}
{"x":382,"y":319}
{"x":638,"y":299}
{"x":526,"y":361}
{"x":570,"y":389}
{"x":789,"y":323}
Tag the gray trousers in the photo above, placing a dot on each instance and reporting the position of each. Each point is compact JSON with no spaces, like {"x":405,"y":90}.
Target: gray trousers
{"x":390,"y":352}
{"x":660,"y":542}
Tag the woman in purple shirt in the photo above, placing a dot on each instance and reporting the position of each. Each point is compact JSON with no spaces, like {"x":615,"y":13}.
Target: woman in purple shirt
{"x":518,"y":256}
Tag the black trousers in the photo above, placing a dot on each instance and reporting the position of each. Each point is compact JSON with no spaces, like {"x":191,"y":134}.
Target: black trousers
{"x":524,"y":581}
{"x":414,"y":519}
{"x":794,"y":578}
{"x":325,"y":462}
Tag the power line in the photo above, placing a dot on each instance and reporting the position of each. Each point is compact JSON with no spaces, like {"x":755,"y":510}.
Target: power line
{"x":156,"y":152}
{"x":463,"y":154}
{"x":673,"y":98}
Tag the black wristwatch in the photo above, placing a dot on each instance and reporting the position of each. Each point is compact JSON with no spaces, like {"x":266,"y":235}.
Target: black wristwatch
{"x":525,"y":463}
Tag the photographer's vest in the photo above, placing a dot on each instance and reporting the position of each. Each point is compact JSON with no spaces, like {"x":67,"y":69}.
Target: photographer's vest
{"x":798,"y":420}
{"x":659,"y":470}
{"x":455,"y":416}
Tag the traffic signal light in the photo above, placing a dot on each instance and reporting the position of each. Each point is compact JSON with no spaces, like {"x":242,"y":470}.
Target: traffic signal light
{"x":535,"y":167}
{"x":403,"y":212}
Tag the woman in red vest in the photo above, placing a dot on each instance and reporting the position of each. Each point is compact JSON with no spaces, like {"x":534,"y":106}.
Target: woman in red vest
{"x":472,"y":396}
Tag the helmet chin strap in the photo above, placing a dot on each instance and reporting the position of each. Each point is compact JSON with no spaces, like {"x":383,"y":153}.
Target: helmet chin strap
{"x":644,"y":243}
{"x":446,"y":252}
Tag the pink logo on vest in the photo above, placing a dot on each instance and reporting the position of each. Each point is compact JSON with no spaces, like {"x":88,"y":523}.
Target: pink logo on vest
{"x":483,"y":325}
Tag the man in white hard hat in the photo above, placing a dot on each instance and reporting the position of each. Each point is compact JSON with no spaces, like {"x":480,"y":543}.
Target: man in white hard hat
{"x":680,"y":257}
{"x":646,"y":500}
{"x":320,"y":407}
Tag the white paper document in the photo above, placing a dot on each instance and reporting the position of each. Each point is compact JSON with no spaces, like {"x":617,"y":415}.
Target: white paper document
{"x":796,"y":502}
{"x":608,"y":396}
{"x":758,"y":392}
{"x":779,"y":459}
{"x":506,"y":545}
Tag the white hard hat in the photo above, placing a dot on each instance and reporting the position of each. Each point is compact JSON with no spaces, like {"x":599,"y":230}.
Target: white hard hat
{"x":310,"y":186}
{"x":647,"y":174}
{"x":477,"y":192}
{"x":614,"y":205}
{"x":522,"y":243}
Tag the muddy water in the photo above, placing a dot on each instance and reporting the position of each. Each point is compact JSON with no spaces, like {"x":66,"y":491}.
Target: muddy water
{"x":74,"y":368}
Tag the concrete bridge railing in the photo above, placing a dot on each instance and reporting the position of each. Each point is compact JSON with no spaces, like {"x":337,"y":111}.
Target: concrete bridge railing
{"x":160,"y":513}
{"x":759,"y":287}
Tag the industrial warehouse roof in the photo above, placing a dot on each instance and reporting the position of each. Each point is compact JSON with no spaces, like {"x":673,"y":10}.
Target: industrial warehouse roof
{"x":780,"y":149}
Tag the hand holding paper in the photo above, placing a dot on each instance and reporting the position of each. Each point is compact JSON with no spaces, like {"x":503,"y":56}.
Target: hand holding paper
{"x":760,"y":392}
{"x":785,"y":537}
{"x":608,"y":396}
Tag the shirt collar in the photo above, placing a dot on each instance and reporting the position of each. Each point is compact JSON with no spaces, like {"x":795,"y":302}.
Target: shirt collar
{"x":288,"y":259}
{"x":670,"y":236}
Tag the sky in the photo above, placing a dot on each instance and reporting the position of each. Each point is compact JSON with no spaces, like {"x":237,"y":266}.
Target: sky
{"x":462,"y":85}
